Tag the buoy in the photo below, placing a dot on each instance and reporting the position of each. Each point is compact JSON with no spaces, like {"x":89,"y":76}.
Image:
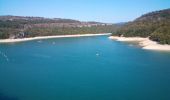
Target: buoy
{"x":53,"y":42}
{"x":97,"y":54}
{"x":39,"y":41}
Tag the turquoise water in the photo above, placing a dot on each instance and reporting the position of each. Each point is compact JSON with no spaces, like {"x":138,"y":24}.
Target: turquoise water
{"x":85,"y":68}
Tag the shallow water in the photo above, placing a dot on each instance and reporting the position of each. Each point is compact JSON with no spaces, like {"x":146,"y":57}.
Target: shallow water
{"x":85,"y":68}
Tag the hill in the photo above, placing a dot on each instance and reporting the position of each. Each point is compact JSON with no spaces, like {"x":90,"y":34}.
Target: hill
{"x":21,"y":27}
{"x":155,"y":25}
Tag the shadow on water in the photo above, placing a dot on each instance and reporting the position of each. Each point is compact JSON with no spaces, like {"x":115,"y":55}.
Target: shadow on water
{"x":5,"y":97}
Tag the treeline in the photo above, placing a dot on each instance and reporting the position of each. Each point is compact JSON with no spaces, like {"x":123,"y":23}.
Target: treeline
{"x":32,"y":32}
{"x":155,"y":25}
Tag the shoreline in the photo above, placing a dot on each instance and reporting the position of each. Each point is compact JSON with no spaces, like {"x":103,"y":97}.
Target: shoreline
{"x":145,"y":43}
{"x":49,"y":37}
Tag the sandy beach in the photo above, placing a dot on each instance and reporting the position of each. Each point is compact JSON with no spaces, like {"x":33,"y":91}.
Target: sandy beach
{"x":145,"y":43}
{"x":48,"y":37}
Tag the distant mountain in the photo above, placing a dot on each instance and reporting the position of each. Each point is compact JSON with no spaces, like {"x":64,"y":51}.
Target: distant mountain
{"x":121,"y":23}
{"x":21,"y":27}
{"x":155,"y":25}
{"x":45,"y":22}
{"x":38,"y":19}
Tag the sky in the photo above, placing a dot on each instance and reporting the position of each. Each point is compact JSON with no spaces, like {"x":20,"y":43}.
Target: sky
{"x":109,"y":11}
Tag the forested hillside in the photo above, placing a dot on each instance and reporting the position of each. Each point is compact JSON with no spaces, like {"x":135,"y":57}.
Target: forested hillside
{"x":21,"y":27}
{"x":155,"y":25}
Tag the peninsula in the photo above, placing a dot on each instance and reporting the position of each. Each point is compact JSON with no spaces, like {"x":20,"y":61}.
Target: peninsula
{"x":151,"y":31}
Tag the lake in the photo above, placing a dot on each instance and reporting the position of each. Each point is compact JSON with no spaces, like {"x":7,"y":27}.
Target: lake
{"x":84,"y":68}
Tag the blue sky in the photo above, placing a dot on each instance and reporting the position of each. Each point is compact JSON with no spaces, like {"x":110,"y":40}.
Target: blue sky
{"x":111,"y":11}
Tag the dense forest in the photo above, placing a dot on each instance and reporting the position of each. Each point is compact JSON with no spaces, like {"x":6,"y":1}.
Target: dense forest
{"x":21,"y":27}
{"x":155,"y":25}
